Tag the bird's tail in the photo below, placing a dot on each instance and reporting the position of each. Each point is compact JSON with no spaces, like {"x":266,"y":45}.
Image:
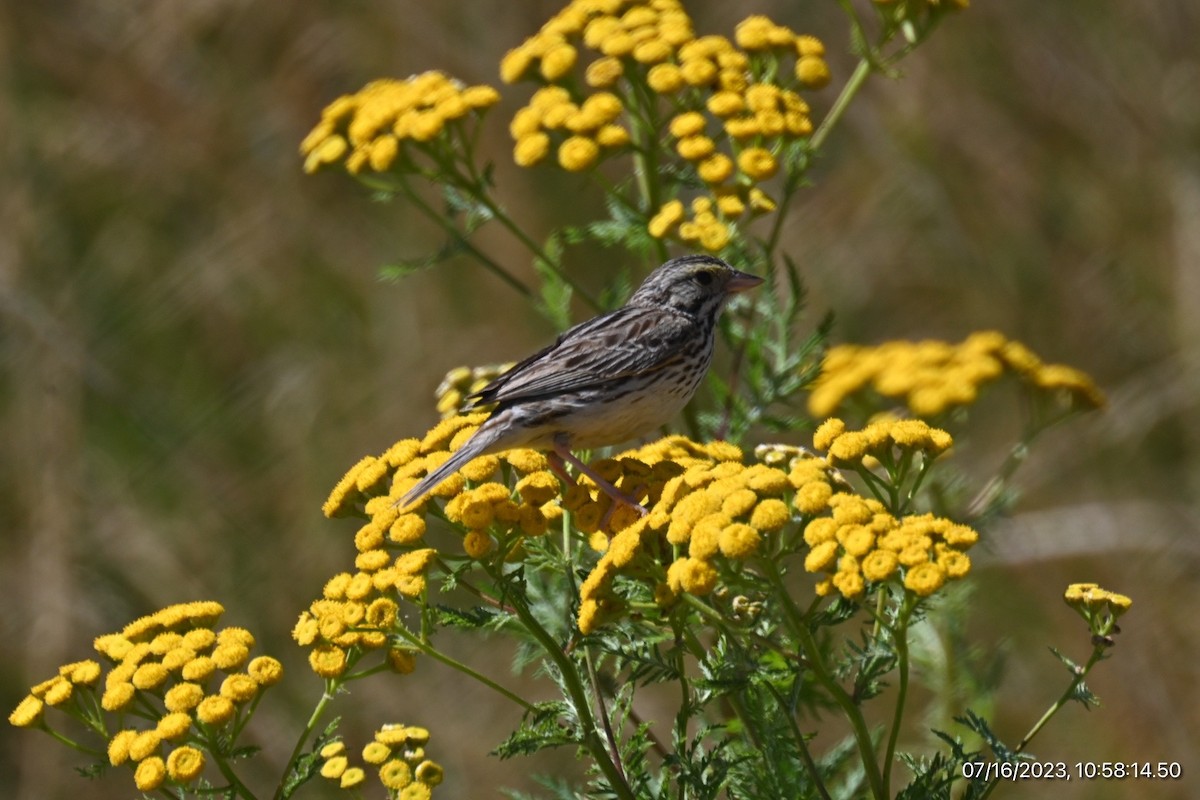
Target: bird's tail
{"x":471,"y":448}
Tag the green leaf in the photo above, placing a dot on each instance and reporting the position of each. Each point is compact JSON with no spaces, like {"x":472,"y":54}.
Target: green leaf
{"x":542,"y":728}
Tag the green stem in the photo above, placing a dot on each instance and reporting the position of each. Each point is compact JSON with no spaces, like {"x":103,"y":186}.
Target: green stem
{"x":474,"y":183}
{"x":570,"y":678}
{"x":614,"y":750}
{"x":452,"y":230}
{"x":240,"y":789}
{"x":330,"y":688}
{"x":1067,"y":695}
{"x":857,"y":79}
{"x":900,"y":640}
{"x":810,"y":765}
{"x":862,"y":737}
{"x":438,"y":655}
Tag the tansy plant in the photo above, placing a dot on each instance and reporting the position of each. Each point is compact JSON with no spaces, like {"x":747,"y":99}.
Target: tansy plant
{"x":783,"y":591}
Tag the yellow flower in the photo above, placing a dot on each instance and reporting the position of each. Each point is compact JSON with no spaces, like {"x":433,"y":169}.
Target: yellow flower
{"x":714,"y":169}
{"x":118,"y":747}
{"x":819,"y":531}
{"x":239,"y":688}
{"x":150,"y":774}
{"x":81,"y":673}
{"x":761,"y":202}
{"x":174,"y":725}
{"x":185,"y":764}
{"x":821,"y":557}
{"x":726,"y":104}
{"x":401,"y":661}
{"x":415,"y":791}
{"x":334,"y":767}
{"x":813,"y":498}
{"x":690,"y":123}
{"x":603,"y":72}
{"x":857,"y":540}
{"x":692,"y":575}
{"x":1059,"y":377}
{"x":27,"y":713}
{"x":770,"y":515}
{"x":326,"y":660}
{"x":58,"y":692}
{"x":382,"y":153}
{"x":429,"y":772}
{"x":334,"y":748}
{"x":183,"y":697}
{"x":955,"y":564}
{"x":117,"y":697}
{"x":698,"y":72}
{"x":352,"y":777}
{"x":144,"y":744}
{"x":924,"y":579}
{"x":652,"y":51}
{"x":878,"y":565}
{"x":667,"y":219}
{"x":558,"y":61}
{"x":410,"y":585}
{"x":812,"y":71}
{"x":216,"y":710}
{"x":515,"y":64}
{"x":618,"y":45}
{"x":757,"y":163}
{"x":578,"y":153}
{"x":665,"y":78}
{"x":739,"y":541}
{"x":407,"y":529}
{"x":395,"y":774}
{"x":849,"y":583}
{"x":753,"y":33}
{"x":477,"y":543}
{"x":531,"y":149}
{"x":376,"y":753}
{"x":480,"y":96}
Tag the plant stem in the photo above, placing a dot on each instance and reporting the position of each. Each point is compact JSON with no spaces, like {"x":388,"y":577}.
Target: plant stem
{"x":862,"y":737}
{"x":452,"y":230}
{"x":570,"y":678}
{"x":326,"y":696}
{"x":811,"y":766}
{"x":438,"y":655}
{"x":613,"y":750}
{"x":857,"y":79}
{"x":900,"y":640}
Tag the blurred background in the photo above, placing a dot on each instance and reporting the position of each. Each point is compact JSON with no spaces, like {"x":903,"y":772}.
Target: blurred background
{"x":194,"y":344}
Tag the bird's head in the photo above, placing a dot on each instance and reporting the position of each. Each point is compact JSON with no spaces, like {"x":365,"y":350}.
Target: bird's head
{"x":696,"y":285}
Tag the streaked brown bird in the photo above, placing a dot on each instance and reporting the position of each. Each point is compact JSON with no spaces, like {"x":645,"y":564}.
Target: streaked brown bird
{"x":612,"y":378}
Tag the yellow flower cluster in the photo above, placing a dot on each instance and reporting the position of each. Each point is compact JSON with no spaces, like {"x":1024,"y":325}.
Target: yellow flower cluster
{"x":1100,"y":608}
{"x":933,"y":376}
{"x":710,"y":225}
{"x":398,"y":753}
{"x":715,"y":509}
{"x":358,"y":610}
{"x":731,"y":114}
{"x":854,"y":540}
{"x":584,"y":131}
{"x":167,"y":669}
{"x":462,"y":382}
{"x":370,"y":128}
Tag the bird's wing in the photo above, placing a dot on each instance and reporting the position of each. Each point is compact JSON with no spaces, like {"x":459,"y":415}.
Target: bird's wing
{"x":628,"y":341}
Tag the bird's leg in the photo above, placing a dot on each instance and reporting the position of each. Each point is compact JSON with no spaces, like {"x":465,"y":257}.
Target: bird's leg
{"x":561,"y":453}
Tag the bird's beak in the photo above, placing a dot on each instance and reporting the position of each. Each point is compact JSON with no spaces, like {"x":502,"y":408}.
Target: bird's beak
{"x":741,"y":281}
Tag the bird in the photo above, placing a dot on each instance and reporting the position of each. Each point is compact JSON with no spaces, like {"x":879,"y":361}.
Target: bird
{"x":610,"y":379}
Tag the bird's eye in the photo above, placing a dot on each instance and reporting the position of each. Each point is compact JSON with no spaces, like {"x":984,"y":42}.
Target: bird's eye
{"x":704,"y":277}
